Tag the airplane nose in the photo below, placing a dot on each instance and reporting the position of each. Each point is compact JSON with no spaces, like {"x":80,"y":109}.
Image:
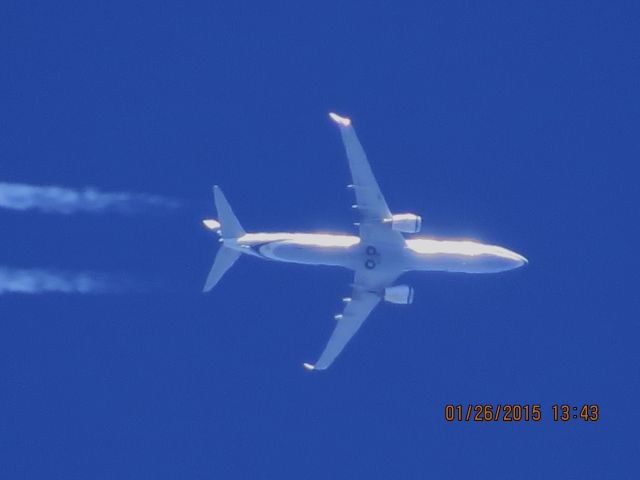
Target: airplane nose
{"x":520,"y":259}
{"x":512,"y":259}
{"x":500,"y":261}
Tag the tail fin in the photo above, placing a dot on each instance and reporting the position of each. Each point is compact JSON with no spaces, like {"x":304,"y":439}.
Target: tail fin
{"x":225,"y":258}
{"x":230,"y":226}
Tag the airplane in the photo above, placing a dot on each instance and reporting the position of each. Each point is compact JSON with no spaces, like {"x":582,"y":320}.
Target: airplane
{"x":378,"y":255}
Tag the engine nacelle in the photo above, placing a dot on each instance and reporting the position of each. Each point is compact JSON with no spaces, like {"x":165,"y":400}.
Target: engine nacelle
{"x":405,"y":222}
{"x":402,"y":294}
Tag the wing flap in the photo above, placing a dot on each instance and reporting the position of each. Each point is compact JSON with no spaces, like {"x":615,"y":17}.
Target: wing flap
{"x":368,"y":286}
{"x":371,"y":205}
{"x":355,"y":313}
{"x":368,"y":194}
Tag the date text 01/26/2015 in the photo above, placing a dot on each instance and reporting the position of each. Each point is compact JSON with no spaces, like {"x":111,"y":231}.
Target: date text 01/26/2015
{"x":514,"y":412}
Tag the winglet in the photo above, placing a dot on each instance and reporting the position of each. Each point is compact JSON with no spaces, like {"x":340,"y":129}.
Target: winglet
{"x":344,"y":121}
{"x":309,"y":366}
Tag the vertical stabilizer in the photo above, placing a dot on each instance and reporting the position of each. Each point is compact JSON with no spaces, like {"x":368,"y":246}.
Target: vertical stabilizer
{"x":230,"y":226}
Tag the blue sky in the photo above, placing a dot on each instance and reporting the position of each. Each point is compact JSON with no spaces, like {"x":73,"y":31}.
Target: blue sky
{"x":512,"y":123}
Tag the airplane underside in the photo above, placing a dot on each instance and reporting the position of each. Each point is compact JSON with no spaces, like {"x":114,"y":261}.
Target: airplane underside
{"x":349,"y":252}
{"x":378,"y":255}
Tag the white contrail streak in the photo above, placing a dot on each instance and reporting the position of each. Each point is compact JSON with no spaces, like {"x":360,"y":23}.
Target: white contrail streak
{"x":51,"y":199}
{"x":14,"y":280}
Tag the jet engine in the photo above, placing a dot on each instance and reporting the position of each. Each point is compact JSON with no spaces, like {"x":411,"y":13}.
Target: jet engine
{"x":405,"y":222}
{"x":402,"y":294}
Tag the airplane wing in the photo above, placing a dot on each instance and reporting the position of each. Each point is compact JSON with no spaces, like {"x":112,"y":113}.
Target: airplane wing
{"x":370,"y":201}
{"x":367,"y":293}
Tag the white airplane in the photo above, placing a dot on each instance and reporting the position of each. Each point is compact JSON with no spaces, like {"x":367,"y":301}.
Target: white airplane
{"x":378,"y":255}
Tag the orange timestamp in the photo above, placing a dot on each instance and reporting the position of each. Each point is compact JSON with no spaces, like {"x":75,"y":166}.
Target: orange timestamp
{"x":516,"y":412}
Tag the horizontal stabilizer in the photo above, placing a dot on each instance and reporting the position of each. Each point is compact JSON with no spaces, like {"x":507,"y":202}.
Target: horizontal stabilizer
{"x":230,"y":226}
{"x":225,"y":258}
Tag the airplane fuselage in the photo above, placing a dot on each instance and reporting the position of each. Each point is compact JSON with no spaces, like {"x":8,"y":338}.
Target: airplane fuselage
{"x":378,"y":255}
{"x":418,"y":253}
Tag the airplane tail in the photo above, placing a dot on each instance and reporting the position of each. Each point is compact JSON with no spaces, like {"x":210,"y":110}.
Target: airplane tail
{"x":229,"y":225}
{"x":229,"y":228}
{"x":225,"y":259}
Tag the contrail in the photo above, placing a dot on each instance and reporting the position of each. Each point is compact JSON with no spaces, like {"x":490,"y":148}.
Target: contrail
{"x":36,"y":280}
{"x":14,"y":280}
{"x":52,"y":199}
